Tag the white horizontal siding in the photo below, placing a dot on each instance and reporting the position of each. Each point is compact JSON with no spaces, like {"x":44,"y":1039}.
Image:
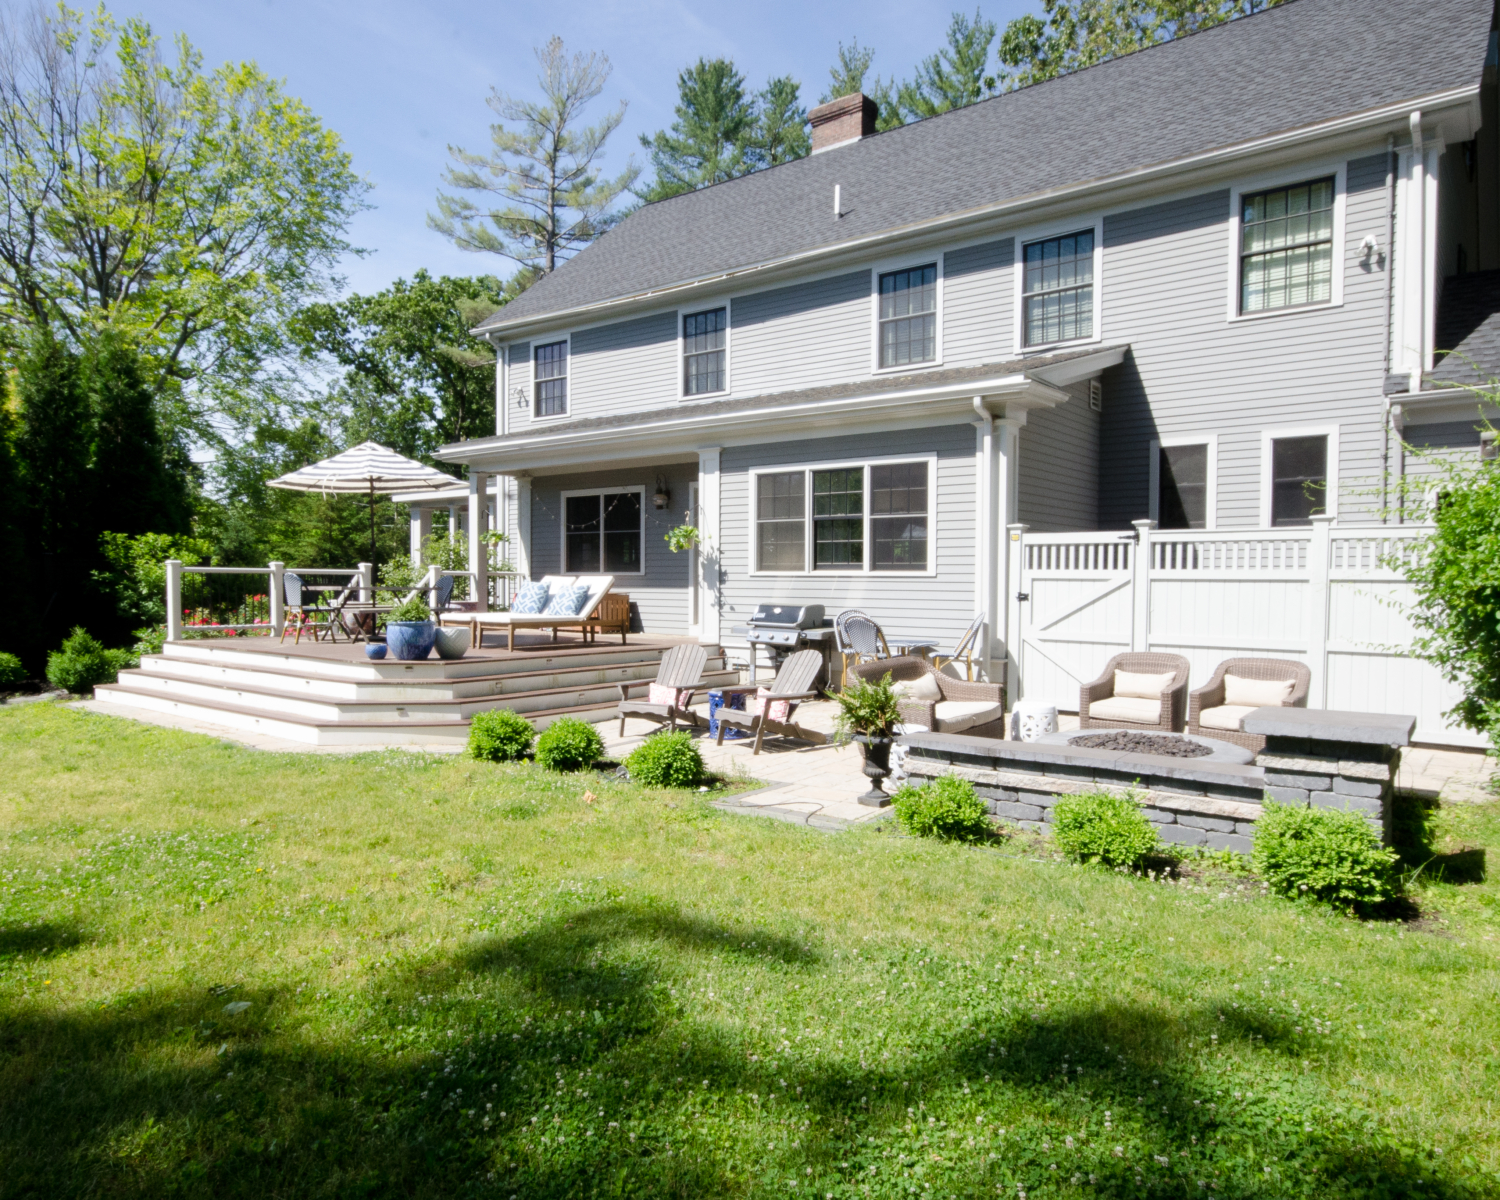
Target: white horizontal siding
{"x":978,"y":324}
{"x":936,"y":606}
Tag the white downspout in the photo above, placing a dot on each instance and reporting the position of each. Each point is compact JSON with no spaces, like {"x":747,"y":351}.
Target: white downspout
{"x":1419,"y":215}
{"x":985,"y":560}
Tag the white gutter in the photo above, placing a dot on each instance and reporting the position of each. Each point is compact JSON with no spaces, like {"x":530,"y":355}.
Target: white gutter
{"x":1224,"y":155}
{"x":1419,"y":185}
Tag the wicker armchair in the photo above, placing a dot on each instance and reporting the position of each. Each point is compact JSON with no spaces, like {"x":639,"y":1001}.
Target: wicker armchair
{"x":1211,"y":696}
{"x":973,"y":709}
{"x":1169,"y":717}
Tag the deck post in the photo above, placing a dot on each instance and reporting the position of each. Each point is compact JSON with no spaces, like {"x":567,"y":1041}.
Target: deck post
{"x":366,"y":582}
{"x":174,"y":599}
{"x":1319,"y":584}
{"x":277,"y":595}
{"x":1015,"y":542}
{"x":1140,"y":589}
{"x":421,"y":528}
{"x":429,"y":584}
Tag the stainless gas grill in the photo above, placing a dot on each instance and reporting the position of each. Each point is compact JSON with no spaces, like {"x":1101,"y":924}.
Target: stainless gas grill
{"x":784,"y":628}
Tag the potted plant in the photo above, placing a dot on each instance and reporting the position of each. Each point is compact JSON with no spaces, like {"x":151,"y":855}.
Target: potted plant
{"x":868,"y":714}
{"x":410,"y":630}
{"x":683,"y":537}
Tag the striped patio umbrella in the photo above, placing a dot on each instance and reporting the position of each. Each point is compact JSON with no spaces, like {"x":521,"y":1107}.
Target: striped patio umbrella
{"x":369,"y":468}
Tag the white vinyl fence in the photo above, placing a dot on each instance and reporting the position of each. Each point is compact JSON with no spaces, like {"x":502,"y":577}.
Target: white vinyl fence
{"x":1321,"y":595}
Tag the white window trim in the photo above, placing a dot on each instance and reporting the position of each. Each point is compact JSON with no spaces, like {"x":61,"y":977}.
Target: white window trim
{"x":685,"y":311}
{"x":1211,"y":494}
{"x":562,"y":526}
{"x":550,"y":340}
{"x":1285,"y":178}
{"x":1040,"y":233}
{"x":1331,"y":432}
{"x":886,"y":267}
{"x":807,"y":545}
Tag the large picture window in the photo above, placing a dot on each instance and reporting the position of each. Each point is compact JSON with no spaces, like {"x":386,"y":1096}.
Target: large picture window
{"x":850,"y":517}
{"x":551,"y":379}
{"x":602,"y":533}
{"x":908,"y":316}
{"x":1058,"y":289}
{"x":1286,"y":247}
{"x":703,"y":347}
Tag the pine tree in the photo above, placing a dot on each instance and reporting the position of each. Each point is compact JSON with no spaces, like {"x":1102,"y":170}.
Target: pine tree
{"x":850,"y":74}
{"x":781,"y":131}
{"x":709,"y":140}
{"x":956,"y":75}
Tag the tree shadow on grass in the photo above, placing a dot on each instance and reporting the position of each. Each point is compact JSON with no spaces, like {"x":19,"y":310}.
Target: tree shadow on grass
{"x":574,"y":1024}
{"x":1413,"y":836}
{"x":44,"y":939}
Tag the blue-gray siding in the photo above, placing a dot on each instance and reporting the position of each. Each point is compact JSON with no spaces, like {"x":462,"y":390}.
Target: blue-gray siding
{"x":1059,"y":477}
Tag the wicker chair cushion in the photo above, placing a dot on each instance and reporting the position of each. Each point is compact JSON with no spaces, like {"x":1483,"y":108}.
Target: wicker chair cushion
{"x":1142,"y":687}
{"x":1255,"y":693}
{"x":954,"y":716}
{"x":531,"y":599}
{"x":1127,"y":708}
{"x":924,"y":687}
{"x":1226,"y":716}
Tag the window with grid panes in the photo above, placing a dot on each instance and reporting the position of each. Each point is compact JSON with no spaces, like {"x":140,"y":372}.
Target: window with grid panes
{"x":1058,"y":289}
{"x":551,"y":378}
{"x":898,"y":516}
{"x":602,"y":533}
{"x":1299,"y":479}
{"x":838,"y":518}
{"x":1182,"y":487}
{"x":908,"y":316}
{"x":703,"y":351}
{"x":781,"y":521}
{"x":1286,"y":247}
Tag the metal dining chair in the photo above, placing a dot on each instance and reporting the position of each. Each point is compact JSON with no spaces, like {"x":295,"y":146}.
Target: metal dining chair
{"x":858,"y":639}
{"x":964,"y":651}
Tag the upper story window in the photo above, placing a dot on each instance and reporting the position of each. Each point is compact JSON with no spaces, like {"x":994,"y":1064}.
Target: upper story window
{"x":703,"y":367}
{"x":908,"y":316}
{"x":1286,"y":247}
{"x":551,"y":379}
{"x":1058,"y":289}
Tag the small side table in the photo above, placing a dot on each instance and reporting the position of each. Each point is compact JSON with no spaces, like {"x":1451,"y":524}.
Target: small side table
{"x":1030,"y":719}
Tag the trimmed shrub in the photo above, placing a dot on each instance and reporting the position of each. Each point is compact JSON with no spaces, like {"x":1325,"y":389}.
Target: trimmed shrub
{"x":11,"y":670}
{"x":1323,"y":854}
{"x":83,"y":663}
{"x":500,"y":736}
{"x":569,"y":744}
{"x":666,"y":760}
{"x":1104,"y":828}
{"x":946,"y":808}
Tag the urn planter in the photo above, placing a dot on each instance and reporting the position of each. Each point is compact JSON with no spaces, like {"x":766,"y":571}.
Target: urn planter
{"x":877,"y":752}
{"x":410,"y":640}
{"x":452,"y":641}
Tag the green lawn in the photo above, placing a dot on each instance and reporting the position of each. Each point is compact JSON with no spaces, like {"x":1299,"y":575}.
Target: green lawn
{"x":474,"y":980}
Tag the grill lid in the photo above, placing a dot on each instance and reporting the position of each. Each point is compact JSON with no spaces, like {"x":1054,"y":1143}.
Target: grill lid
{"x":788,"y":616}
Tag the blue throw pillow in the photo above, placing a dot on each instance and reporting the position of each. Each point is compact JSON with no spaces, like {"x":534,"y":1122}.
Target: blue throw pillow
{"x":568,"y":601}
{"x":531,"y":599}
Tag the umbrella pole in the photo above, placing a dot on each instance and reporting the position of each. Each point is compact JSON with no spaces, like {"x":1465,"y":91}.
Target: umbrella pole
{"x":372,"y":520}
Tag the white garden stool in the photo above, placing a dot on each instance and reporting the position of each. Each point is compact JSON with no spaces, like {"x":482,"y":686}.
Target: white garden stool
{"x":1030,"y":719}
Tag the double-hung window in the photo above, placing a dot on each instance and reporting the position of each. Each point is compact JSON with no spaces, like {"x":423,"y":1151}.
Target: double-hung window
{"x":551,"y":377}
{"x":1286,"y":247}
{"x":1058,"y":289}
{"x":863,"y":517}
{"x":602,"y":533}
{"x":1299,"y":479}
{"x":1182,"y":487}
{"x":908,"y":316}
{"x":703,"y":351}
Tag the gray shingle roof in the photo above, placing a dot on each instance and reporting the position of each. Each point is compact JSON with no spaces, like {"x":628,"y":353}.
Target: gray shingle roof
{"x":1304,"y":62}
{"x":1468,"y":324}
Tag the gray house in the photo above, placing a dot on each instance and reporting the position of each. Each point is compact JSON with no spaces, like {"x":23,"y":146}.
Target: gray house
{"x":1181,"y":285}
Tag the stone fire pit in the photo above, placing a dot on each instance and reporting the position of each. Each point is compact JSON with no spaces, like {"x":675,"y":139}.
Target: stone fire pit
{"x":1134,"y":741}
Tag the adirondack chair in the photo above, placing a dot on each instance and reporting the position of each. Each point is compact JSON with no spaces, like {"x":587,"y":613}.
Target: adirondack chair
{"x":858,"y":639}
{"x":964,"y":651}
{"x":670,"y":694}
{"x":792,"y":685}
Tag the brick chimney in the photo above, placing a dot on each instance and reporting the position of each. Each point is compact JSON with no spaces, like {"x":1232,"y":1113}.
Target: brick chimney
{"x":846,"y":119}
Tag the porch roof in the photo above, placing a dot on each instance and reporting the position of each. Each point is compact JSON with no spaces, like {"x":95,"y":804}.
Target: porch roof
{"x":1008,"y":388}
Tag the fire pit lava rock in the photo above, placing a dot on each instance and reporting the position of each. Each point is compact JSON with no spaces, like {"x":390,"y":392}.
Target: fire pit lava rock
{"x":1167,"y":745}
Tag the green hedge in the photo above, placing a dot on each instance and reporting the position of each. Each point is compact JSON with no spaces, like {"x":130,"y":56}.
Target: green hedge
{"x":500,"y":736}
{"x":1105,"y":828}
{"x":946,"y":808}
{"x":666,"y":760}
{"x":569,"y":744}
{"x":1323,"y":854}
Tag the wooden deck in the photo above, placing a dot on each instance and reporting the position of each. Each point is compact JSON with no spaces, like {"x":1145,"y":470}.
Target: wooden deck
{"x":529,"y":644}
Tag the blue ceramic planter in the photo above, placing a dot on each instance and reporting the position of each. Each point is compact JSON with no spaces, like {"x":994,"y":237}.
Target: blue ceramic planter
{"x":375,"y":650}
{"x":410,"y":640}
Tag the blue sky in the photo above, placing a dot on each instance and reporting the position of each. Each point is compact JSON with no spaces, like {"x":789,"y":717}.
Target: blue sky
{"x":400,"y":81}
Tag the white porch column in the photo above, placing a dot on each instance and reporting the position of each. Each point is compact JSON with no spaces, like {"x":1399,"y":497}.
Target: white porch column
{"x":421,"y":527}
{"x":1319,"y":563}
{"x":710,"y":605}
{"x":521,"y":539}
{"x":1140,"y":587}
{"x":478,"y":552}
{"x":278,"y":597}
{"x":366,"y":582}
{"x":174,"y":599}
{"x":452,"y":523}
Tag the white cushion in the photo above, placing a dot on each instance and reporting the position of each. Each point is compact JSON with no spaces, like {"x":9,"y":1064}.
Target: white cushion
{"x":1127,"y":708}
{"x":1226,"y":716}
{"x":1144,"y":687}
{"x":924,"y":688}
{"x":954,"y":716}
{"x":1256,"y":693}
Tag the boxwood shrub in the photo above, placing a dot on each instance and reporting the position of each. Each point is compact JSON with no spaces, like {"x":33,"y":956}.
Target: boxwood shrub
{"x":500,"y":736}
{"x":83,"y":663}
{"x":1105,"y":828}
{"x":946,"y":808}
{"x":569,"y":744}
{"x":11,"y":670}
{"x":666,"y":760}
{"x":1323,"y":854}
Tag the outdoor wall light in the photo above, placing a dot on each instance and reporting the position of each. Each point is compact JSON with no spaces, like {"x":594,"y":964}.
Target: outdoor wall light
{"x":662,"y":497}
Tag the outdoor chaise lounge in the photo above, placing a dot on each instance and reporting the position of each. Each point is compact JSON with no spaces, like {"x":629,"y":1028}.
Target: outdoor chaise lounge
{"x":940,"y":702}
{"x":1137,"y":691}
{"x":671,"y":693}
{"x":770,"y":710}
{"x":553,"y":602}
{"x":1238,"y":687}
